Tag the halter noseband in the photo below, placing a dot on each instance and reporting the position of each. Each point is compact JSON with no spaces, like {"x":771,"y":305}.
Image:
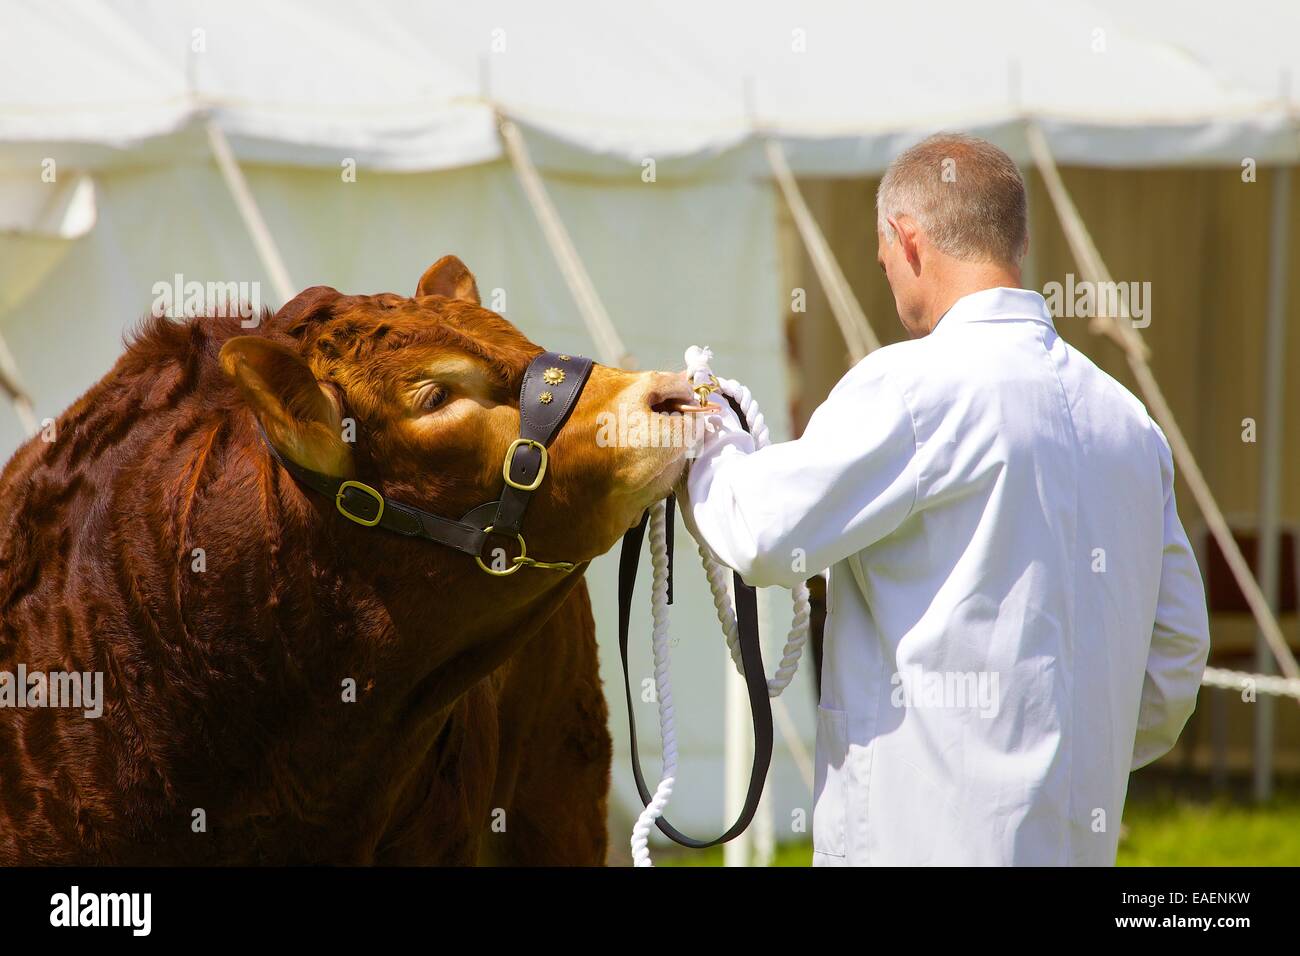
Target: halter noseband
{"x":551,"y":386}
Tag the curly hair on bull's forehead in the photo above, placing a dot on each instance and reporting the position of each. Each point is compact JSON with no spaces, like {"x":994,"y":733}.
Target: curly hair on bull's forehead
{"x":366,"y":329}
{"x":335,"y":331}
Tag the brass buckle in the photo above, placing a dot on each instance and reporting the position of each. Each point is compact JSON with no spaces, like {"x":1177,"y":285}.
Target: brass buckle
{"x":702,"y":393}
{"x":364,"y":522}
{"x":510,"y":455}
{"x":515,"y":565}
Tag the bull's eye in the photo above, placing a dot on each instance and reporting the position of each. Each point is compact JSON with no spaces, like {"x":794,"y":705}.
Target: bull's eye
{"x":432,"y":397}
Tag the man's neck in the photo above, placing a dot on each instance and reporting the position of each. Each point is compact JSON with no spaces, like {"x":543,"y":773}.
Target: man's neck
{"x":961,"y":279}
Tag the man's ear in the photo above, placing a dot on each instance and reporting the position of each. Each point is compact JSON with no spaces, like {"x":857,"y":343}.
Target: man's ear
{"x":905,"y":228}
{"x":300,"y":416}
{"x":451,"y":278}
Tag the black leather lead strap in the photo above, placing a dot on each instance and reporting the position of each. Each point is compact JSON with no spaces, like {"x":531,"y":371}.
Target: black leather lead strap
{"x":670,"y":522}
{"x":751,"y":655}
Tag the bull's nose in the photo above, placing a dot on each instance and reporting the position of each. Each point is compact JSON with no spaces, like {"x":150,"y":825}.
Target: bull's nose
{"x":667,"y":390}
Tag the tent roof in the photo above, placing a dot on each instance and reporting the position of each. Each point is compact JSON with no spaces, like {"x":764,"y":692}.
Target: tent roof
{"x":601,"y":87}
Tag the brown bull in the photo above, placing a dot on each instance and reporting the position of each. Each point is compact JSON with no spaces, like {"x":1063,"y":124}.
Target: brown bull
{"x":153,"y":539}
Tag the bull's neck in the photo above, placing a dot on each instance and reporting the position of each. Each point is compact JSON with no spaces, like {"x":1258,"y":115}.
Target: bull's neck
{"x":353,"y":640}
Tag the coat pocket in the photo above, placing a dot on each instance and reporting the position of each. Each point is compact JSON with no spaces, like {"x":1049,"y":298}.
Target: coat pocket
{"x":830,"y":805}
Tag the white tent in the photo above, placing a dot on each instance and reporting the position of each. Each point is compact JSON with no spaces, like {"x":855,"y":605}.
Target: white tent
{"x":646,"y":121}
{"x":410,"y":87}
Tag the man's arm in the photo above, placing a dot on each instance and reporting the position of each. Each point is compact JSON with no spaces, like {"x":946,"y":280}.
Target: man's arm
{"x":781,"y":514}
{"x":1180,"y":641}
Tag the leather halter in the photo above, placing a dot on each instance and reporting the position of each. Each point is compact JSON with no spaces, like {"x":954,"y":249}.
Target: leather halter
{"x":551,"y":386}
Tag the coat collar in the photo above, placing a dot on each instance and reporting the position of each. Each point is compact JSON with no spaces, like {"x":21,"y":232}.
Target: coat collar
{"x":990,"y":305}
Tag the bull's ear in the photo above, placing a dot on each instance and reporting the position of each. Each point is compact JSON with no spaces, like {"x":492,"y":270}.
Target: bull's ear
{"x":301,"y":416}
{"x":308,"y":306}
{"x":451,"y":278}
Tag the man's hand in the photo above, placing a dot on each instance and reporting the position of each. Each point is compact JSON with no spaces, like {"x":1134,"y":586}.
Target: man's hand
{"x":716,"y":430}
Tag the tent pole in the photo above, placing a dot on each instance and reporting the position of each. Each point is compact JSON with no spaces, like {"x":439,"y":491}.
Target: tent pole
{"x":737,"y":751}
{"x":857,"y":331}
{"x":798,"y":752}
{"x":1270,"y":478}
{"x":11,"y":386}
{"x":1029,"y":277}
{"x":608,"y":342}
{"x":1120,"y":329}
{"x":614,"y":352}
{"x":263,"y":241}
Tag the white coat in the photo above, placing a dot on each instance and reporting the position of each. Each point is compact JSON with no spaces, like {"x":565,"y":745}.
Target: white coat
{"x":1016,"y":619}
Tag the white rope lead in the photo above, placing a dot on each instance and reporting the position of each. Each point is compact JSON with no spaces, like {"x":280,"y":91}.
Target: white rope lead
{"x":663,"y":686}
{"x":717,"y":574}
{"x":798,"y":634}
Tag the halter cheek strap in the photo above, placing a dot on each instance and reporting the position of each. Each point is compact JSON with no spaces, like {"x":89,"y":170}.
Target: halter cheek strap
{"x":551,"y":386}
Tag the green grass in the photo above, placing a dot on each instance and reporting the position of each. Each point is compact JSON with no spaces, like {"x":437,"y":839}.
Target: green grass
{"x":1180,"y":832}
{"x":787,"y":854}
{"x":1160,"y":830}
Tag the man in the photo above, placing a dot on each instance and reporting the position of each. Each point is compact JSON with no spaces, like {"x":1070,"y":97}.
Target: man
{"x":1016,"y":620}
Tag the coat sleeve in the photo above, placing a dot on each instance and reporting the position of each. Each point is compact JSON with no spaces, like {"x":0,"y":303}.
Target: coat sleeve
{"x":781,"y":514}
{"x":1180,"y":640}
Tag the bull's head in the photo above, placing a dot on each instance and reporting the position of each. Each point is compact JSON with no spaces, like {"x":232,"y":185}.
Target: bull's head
{"x":419,"y":397}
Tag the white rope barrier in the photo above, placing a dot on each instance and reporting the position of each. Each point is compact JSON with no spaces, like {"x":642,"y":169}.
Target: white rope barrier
{"x":609,"y":345}
{"x":1258,"y":683}
{"x":857,"y":331}
{"x":1120,"y":329}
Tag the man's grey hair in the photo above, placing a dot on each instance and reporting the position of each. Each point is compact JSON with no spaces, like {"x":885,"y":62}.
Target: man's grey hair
{"x":966,"y":194}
